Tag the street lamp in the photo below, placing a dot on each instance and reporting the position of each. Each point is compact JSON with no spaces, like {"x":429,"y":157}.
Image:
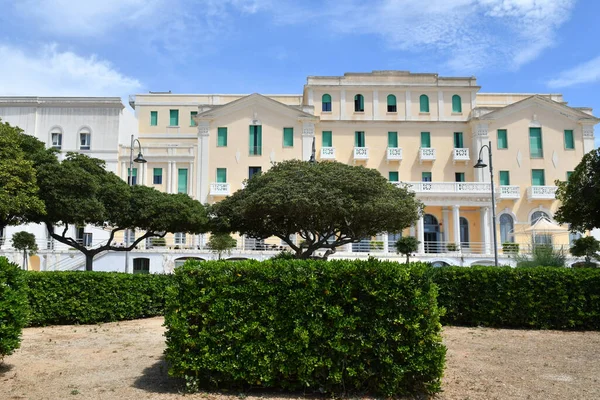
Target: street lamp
{"x":140,"y":160}
{"x":481,"y":164}
{"x":313,"y":159}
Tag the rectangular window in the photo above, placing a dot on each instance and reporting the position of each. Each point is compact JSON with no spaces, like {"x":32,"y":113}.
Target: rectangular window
{"x":173,"y":117}
{"x":221,"y":175}
{"x":327,"y":139}
{"x":569,"y":173}
{"x":141,"y":265}
{"x":57,"y":141}
{"x":504,"y":178}
{"x":535,"y":143}
{"x":180,"y":238}
{"x":253,"y":171}
{"x":153,"y":118}
{"x":425,"y":140}
{"x":359,"y":139}
{"x":133,"y":176}
{"x":393,"y":176}
{"x":537,"y":177}
{"x":157,"y":176}
{"x":222,"y":137}
{"x":288,"y":137}
{"x":393,"y":139}
{"x":255,"y":140}
{"x":426,"y":176}
{"x":502,"y":139}
{"x":129,"y":236}
{"x":459,"y":176}
{"x":182,"y":180}
{"x":192,"y":116}
{"x":569,"y":141}
{"x":458,"y":140}
{"x":84,"y":141}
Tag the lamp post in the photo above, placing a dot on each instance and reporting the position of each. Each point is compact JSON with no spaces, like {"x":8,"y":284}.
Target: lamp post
{"x":140,"y":160}
{"x":313,"y":158}
{"x":481,"y":164}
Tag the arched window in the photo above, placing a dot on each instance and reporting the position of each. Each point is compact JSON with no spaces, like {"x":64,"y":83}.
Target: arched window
{"x":431,"y":232}
{"x":424,"y":103}
{"x":56,"y":138}
{"x":456,"y":104}
{"x":540,"y":237}
{"x":464,"y":232}
{"x":537,"y":215}
{"x":85,"y":139}
{"x":326,"y":102}
{"x":507,"y":227}
{"x":141,"y":265}
{"x":391,"y":103}
{"x":359,"y":103}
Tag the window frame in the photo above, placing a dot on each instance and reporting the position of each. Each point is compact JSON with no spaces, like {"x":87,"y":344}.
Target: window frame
{"x":330,"y":134}
{"x":174,"y":113}
{"x":459,"y":104}
{"x":392,"y":106}
{"x":424,"y":106}
{"x":461,"y":175}
{"x":359,"y":103}
{"x":394,"y":135}
{"x":59,"y":136}
{"x":221,"y":133}
{"x":179,"y":183}
{"x":460,"y":137}
{"x":396,"y":175}
{"x":572,"y":139}
{"x":144,"y":268}
{"x":427,"y":174}
{"x":428,"y":135}
{"x":288,"y":132}
{"x":326,"y":106}
{"x":500,"y":173}
{"x":357,"y":135}
{"x":543,"y":176}
{"x":155,"y":176}
{"x":85,"y":132}
{"x":192,"y":115}
{"x":255,"y":130}
{"x":155,"y":115}
{"x":218,"y":175}
{"x":505,"y":132}
{"x":541,"y":144}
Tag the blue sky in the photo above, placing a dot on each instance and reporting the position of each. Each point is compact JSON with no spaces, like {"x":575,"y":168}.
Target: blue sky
{"x":119,"y":47}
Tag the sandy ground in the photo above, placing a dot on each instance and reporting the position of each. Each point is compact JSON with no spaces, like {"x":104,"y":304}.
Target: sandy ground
{"x":124,"y":361}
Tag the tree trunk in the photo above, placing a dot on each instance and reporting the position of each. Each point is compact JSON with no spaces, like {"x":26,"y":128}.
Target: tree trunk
{"x":407,"y":258}
{"x":89,"y":261}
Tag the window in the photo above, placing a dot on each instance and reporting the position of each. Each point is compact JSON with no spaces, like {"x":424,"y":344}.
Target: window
{"x":288,"y":137}
{"x":182,"y":180}
{"x":458,"y":140}
{"x":359,"y":103}
{"x":537,"y":215}
{"x":253,"y":171}
{"x":132,"y":176}
{"x":157,"y":176}
{"x":393,"y":176}
{"x":173,"y":117}
{"x":459,"y":176}
{"x":456,"y":104}
{"x":426,"y":176}
{"x":153,"y":118}
{"x":535,"y":143}
{"x":537,"y":177}
{"x":391,"y":103}
{"x":393,"y":139}
{"x":425,"y":140}
{"x":326,"y":103}
{"x":502,"y":139}
{"x":56,"y":140}
{"x":221,"y":175}
{"x":507,"y":228}
{"x":424,"y":103}
{"x":255,"y":140}
{"x":569,"y":173}
{"x":85,"y":140}
{"x":504,"y":178}
{"x":180,"y":238}
{"x":222,"y":137}
{"x":192,"y":116}
{"x":326,"y":139}
{"x":359,"y":139}
{"x":141,"y":265}
{"x":129,"y":236}
{"x":569,"y":141}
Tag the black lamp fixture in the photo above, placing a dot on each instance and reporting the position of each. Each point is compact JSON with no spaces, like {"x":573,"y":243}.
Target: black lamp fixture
{"x":481,"y":164}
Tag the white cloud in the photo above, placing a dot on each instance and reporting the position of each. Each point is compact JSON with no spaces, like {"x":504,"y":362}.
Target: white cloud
{"x":47,"y":71}
{"x":587,"y":72}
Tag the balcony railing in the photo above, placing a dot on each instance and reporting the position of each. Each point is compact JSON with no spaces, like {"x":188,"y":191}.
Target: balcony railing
{"x":219,"y":189}
{"x":461,"y":154}
{"x":394,"y":153}
{"x":361,"y":153}
{"x":426,"y":154}
{"x":541,"y":192}
{"x":255,"y":150}
{"x":327,"y":153}
{"x":510,"y":192}
{"x":448,"y":187}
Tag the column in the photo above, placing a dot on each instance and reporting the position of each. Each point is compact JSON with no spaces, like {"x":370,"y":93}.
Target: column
{"x":485,"y":229}
{"x":203,"y":184}
{"x":408,"y":105}
{"x":168,"y":177}
{"x":144,"y":178}
{"x":191,"y":180}
{"x":308,"y":135}
{"x":456,"y":224}
{"x":421,"y":233}
{"x":446,"y":222}
{"x":343,"y":104}
{"x":375,"y":104}
{"x":440,"y":105}
{"x":174,"y":175}
{"x":384,"y":237}
{"x":124,"y":172}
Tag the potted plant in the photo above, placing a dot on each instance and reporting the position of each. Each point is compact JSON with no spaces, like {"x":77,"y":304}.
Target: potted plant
{"x":510,"y":248}
{"x":452,"y":247}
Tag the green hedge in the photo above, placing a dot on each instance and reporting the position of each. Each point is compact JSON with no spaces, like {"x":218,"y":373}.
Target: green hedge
{"x":57,"y":298}
{"x":337,"y":326}
{"x":539,"y":297}
{"x":13,"y":306}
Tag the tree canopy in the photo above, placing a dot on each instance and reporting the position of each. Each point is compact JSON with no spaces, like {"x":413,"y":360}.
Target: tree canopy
{"x":221,"y":243}
{"x":329,"y":204}
{"x":24,"y":241}
{"x":587,"y":247}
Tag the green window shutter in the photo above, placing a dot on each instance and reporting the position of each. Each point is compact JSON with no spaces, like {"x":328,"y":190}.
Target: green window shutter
{"x":222,"y":137}
{"x":327,"y":139}
{"x":359,"y":139}
{"x":174,"y":117}
{"x":393,"y":176}
{"x":426,"y":176}
{"x":459,"y":176}
{"x":255,"y":140}
{"x":157,"y":176}
{"x":393,"y":139}
{"x":458,"y":140}
{"x":569,"y":173}
{"x":153,"y":118}
{"x":424,"y":103}
{"x":535,"y":143}
{"x":537,"y":177}
{"x":192,"y":115}
{"x":425,"y":140}
{"x":221,"y":175}
{"x":326,"y":102}
{"x":259,"y":139}
{"x":359,"y":102}
{"x":569,"y":141}
{"x":391,"y":100}
{"x":502,"y":139}
{"x":504,"y":178}
{"x":288,"y":137}
{"x":456,"y":104}
{"x":182,"y":180}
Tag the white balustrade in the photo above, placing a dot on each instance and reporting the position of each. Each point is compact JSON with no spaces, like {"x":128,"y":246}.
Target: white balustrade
{"x":426,"y":154}
{"x":541,"y":192}
{"x":361,"y":153}
{"x":461,"y":154}
{"x":448,"y":187}
{"x":219,"y":189}
{"x":509,"y":192}
{"x":394,"y":153}
{"x":327,"y":153}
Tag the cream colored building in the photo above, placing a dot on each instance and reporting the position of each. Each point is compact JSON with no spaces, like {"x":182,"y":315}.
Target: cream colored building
{"x":420,"y":130}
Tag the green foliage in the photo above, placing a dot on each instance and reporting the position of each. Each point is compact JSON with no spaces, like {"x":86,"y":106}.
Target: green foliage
{"x":510,"y":248}
{"x":221,"y":243}
{"x":407,"y":245}
{"x":452,"y":247}
{"x":505,"y":297}
{"x":336,"y":326}
{"x":587,"y":247}
{"x":542,"y":256}
{"x":159,"y":242}
{"x":284,"y":255}
{"x":329,"y":204}
{"x":58,"y":298}
{"x":13,"y":306}
{"x":24,"y":241}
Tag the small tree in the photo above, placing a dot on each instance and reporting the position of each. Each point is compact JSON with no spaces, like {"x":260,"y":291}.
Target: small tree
{"x":221,"y":243}
{"x":25,"y":241}
{"x":407,"y":245}
{"x":587,"y":247}
{"x":542,"y":255}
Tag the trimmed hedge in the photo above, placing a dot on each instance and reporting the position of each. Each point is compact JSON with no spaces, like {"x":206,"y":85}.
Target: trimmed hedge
{"x":505,"y":297}
{"x":336,"y":326}
{"x":58,"y":298}
{"x":13,"y":306}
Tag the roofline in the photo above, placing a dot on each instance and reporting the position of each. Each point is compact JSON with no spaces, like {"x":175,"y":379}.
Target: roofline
{"x":61,"y":101}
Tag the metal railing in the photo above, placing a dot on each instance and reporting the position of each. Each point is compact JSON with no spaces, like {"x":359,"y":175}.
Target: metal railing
{"x":255,"y":151}
{"x":448,"y":187}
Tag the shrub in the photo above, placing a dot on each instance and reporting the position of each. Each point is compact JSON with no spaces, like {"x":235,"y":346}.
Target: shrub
{"x":158,"y":241}
{"x":452,"y":247}
{"x":510,"y":248}
{"x":406,"y":245}
{"x":542,"y":255}
{"x":57,"y":298}
{"x":540,"y":297}
{"x":13,"y":306}
{"x":333,"y":326}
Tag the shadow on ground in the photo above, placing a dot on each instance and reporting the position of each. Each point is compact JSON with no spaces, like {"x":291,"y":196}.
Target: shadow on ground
{"x":5,"y":368}
{"x":156,"y":379}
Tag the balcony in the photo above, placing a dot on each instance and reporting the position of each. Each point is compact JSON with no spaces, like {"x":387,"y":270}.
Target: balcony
{"x":426,"y":154}
{"x":219,"y":189}
{"x":448,"y":187}
{"x":394,"y":153}
{"x":541,"y":193}
{"x":361,"y":153}
{"x":327,"y":153}
{"x":509,"y":192}
{"x":461,"y":154}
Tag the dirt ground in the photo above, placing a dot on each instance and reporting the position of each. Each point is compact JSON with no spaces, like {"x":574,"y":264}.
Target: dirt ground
{"x":124,"y":361}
